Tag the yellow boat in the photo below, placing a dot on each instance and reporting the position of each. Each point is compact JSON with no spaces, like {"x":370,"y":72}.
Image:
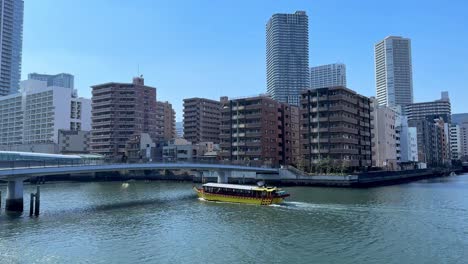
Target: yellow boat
{"x":234,"y":193}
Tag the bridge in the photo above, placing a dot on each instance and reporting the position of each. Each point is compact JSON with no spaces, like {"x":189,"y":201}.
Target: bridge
{"x":16,"y":174}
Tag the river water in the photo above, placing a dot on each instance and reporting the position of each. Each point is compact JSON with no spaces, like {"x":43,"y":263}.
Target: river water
{"x":164,"y":222}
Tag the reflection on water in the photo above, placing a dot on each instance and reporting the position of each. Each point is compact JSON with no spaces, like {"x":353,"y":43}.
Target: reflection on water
{"x":164,"y":222}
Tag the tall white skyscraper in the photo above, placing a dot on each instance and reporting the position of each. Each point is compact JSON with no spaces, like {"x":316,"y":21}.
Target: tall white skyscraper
{"x":287,"y":54}
{"x":11,"y":44}
{"x":329,"y":75}
{"x":393,"y":72}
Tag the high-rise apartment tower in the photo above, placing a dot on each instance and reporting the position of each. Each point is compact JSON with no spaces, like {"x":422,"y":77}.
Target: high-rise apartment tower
{"x":393,"y":72}
{"x":11,"y":44}
{"x":287,"y":55}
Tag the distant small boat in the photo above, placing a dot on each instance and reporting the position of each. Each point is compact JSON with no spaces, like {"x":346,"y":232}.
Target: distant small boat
{"x":235,"y":193}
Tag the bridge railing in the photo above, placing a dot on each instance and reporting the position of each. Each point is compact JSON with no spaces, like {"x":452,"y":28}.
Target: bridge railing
{"x":50,"y":163}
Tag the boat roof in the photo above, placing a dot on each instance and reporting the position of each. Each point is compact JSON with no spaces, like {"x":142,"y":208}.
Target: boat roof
{"x":232,"y":186}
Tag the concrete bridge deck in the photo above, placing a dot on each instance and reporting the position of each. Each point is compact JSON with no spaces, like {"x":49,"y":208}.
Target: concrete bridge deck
{"x":15,"y":175}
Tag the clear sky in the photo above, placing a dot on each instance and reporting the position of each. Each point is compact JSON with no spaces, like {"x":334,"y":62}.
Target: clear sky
{"x":209,"y":48}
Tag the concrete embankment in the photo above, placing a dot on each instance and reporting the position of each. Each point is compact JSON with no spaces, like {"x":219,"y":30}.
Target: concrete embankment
{"x":291,"y":177}
{"x":286,"y":177}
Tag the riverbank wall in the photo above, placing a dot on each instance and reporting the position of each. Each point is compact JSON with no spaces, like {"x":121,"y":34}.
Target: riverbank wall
{"x":286,"y":177}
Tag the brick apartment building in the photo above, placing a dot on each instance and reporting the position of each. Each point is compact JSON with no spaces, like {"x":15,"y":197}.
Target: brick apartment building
{"x":201,"y":120}
{"x":335,"y":127}
{"x":259,"y":130}
{"x":166,"y":120}
{"x":120,"y":110}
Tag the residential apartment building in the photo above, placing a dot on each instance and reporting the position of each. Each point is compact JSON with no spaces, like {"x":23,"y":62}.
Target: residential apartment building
{"x":287,"y":56}
{"x":436,"y":109}
{"x":408,"y":141}
{"x":73,"y":141}
{"x":120,"y":111}
{"x":179,"y":129}
{"x":166,"y":120}
{"x":464,"y":141}
{"x":455,"y":142}
{"x":259,"y":130}
{"x":11,"y":45}
{"x":140,"y":148}
{"x":385,"y":138}
{"x":179,"y":149}
{"x":335,"y":126}
{"x":393,"y":72}
{"x":37,"y":113}
{"x":329,"y":75}
{"x":201,"y":120}
{"x":459,"y":118}
{"x":432,"y":141}
{"x":61,"y":80}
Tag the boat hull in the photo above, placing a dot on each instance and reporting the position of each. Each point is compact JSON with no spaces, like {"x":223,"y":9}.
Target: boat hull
{"x":237,"y":199}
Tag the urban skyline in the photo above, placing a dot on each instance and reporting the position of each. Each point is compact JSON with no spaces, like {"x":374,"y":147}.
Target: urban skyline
{"x":209,"y":79}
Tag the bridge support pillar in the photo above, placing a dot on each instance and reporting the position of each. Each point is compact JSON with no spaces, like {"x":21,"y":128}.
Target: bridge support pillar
{"x":223,"y":176}
{"x":14,"y":198}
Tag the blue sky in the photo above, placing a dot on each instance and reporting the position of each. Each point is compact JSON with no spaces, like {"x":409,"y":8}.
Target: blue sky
{"x":209,"y":48}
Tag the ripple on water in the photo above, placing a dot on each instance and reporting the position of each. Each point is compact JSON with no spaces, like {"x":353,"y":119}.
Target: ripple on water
{"x":162,"y":222}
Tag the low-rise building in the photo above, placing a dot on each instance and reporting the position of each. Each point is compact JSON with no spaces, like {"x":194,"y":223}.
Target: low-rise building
{"x":73,"y":141}
{"x":182,"y":150}
{"x":140,"y":148}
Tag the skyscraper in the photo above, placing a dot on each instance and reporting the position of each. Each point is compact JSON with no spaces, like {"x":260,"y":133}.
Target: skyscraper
{"x":287,"y":55}
{"x":330,"y":75}
{"x":11,"y":43}
{"x":62,"y":79}
{"x":393,"y":72}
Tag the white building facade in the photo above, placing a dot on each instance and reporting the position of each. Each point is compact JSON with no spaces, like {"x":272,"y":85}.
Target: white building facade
{"x":455,"y":142}
{"x":393,"y":72}
{"x":385,"y":138}
{"x":38,"y":112}
{"x":329,"y":75}
{"x":408,"y":137}
{"x":464,"y":141}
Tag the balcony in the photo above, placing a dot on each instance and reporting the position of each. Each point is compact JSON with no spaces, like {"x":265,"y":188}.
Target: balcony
{"x":317,"y":130}
{"x":343,"y":108}
{"x":316,"y":151}
{"x":344,"y":151}
{"x":342,"y":129}
{"x":340,"y":97}
{"x":344,"y":140}
{"x":343,"y":119}
{"x":321,"y":140}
